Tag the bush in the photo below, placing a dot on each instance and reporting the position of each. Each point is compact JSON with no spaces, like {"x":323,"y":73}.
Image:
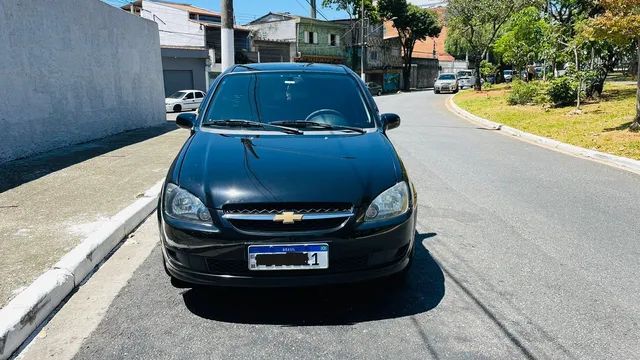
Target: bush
{"x":562,"y":91}
{"x":522,"y":93}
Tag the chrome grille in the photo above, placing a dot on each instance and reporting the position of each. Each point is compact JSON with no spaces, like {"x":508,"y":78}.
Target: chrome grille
{"x":259,"y":218}
{"x":268,"y":209}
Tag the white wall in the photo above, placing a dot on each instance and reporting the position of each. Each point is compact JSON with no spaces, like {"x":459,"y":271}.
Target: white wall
{"x":174,"y":25}
{"x":276,"y":30}
{"x":73,"y":71}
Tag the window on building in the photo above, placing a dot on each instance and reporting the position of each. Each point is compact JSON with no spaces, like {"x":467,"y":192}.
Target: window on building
{"x":373,"y":55}
{"x":334,"y":40}
{"x":310,"y":37}
{"x":395,"y":51}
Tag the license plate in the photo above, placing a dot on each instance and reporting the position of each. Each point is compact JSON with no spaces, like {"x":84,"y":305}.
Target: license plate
{"x":289,"y":257}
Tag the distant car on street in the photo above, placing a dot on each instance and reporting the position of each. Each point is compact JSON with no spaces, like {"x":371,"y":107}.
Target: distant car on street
{"x":465,"y":82}
{"x":374,"y":88}
{"x":508,"y":75}
{"x":183,"y":100}
{"x":447,"y":82}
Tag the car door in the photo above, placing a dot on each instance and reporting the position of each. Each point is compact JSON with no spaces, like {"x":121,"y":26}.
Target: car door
{"x":189,"y":101}
{"x":198,"y":99}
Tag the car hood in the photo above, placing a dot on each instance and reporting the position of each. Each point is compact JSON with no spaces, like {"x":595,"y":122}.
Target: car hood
{"x":445,"y":82}
{"x":222,"y":169}
{"x":171,"y":100}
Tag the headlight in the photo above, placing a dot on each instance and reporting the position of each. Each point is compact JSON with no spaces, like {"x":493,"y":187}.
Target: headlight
{"x":182,"y":205}
{"x":392,"y":202}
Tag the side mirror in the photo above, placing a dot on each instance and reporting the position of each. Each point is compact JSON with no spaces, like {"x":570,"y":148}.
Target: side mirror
{"x":390,"y":121}
{"x":186,"y":120}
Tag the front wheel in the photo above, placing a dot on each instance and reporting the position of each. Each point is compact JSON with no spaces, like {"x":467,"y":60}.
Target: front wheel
{"x":177,"y":108}
{"x":379,"y":92}
{"x":436,"y":91}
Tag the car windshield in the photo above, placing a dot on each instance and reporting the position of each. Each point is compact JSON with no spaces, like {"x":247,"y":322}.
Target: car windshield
{"x":290,"y":96}
{"x":464,"y":73}
{"x":447,"y":77}
{"x":177,"y":95}
{"x":508,"y":72}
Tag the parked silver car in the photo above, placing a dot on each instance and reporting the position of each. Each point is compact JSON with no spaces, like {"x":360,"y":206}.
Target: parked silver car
{"x":447,"y":82}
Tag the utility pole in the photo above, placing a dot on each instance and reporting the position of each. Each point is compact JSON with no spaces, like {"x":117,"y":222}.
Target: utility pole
{"x":362,"y":43}
{"x":227,"y":51}
{"x":313,"y":8}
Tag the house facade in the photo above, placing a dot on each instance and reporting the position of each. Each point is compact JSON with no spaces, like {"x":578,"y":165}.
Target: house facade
{"x":382,"y":63}
{"x":308,"y":39}
{"x":190,"y":42}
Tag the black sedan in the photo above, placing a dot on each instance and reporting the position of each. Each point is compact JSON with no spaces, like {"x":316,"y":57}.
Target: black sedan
{"x":288,"y":179}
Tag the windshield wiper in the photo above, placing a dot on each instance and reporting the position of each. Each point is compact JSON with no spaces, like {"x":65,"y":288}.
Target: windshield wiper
{"x":249,"y":123}
{"x":326,"y":126}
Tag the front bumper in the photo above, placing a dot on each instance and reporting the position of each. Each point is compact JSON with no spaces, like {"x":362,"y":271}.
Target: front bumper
{"x":446,"y":88}
{"x":169,"y":107}
{"x":219,"y":261}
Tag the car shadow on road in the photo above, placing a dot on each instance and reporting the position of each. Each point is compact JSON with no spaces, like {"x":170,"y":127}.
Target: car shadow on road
{"x":326,"y":305}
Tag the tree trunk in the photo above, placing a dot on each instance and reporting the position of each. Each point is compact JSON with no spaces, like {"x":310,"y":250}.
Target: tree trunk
{"x":635,"y":126}
{"x":478,"y":84}
{"x":575,"y":51}
{"x":406,"y":77}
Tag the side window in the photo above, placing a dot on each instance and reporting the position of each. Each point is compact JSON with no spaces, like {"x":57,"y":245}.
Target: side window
{"x":199,"y":95}
{"x":189,"y":96}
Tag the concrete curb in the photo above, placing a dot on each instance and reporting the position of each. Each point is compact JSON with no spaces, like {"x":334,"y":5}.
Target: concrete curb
{"x":22,"y":315}
{"x":605,"y":158}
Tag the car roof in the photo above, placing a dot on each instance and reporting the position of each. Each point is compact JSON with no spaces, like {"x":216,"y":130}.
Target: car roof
{"x":190,"y":90}
{"x":282,"y":66}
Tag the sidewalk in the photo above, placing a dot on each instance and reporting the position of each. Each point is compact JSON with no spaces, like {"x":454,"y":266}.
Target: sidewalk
{"x":50,"y":202}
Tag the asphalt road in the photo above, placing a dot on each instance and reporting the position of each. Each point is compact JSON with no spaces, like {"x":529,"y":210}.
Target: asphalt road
{"x":525,"y":253}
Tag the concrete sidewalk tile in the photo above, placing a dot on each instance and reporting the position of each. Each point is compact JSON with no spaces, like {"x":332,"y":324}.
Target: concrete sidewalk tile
{"x":52,"y":202}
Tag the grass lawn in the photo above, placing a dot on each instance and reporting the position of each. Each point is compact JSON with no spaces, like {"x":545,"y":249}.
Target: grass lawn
{"x":602,"y":126}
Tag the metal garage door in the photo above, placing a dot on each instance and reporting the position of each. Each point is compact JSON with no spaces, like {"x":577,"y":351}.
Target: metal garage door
{"x":175,"y":80}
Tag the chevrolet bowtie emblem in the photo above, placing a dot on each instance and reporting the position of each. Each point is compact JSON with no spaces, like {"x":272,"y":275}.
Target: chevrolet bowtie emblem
{"x":287,"y":217}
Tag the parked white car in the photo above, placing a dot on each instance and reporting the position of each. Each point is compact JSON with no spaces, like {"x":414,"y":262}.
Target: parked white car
{"x":183,"y":100}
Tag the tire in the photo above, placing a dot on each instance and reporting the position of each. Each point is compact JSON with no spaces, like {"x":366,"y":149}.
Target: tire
{"x":177,"y":108}
{"x":379,"y":92}
{"x":456,"y":91}
{"x":436,"y":91}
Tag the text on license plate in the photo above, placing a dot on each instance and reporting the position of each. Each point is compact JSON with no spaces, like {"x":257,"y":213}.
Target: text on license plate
{"x":289,"y":257}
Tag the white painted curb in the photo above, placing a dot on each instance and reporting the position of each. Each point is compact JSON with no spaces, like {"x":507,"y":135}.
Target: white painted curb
{"x":22,"y":315}
{"x":612,"y":160}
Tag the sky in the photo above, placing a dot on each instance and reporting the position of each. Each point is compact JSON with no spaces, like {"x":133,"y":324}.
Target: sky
{"x":247,"y":10}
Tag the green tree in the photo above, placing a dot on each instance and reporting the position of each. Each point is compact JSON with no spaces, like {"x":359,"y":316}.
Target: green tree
{"x":354,"y":8}
{"x":474,"y":26}
{"x":620,"y":23}
{"x":525,"y":39}
{"x":413,"y":23}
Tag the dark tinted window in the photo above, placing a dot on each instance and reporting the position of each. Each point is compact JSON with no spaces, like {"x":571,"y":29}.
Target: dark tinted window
{"x":267,"y":97}
{"x":189,"y":96}
{"x":199,"y":95}
{"x":447,"y":77}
